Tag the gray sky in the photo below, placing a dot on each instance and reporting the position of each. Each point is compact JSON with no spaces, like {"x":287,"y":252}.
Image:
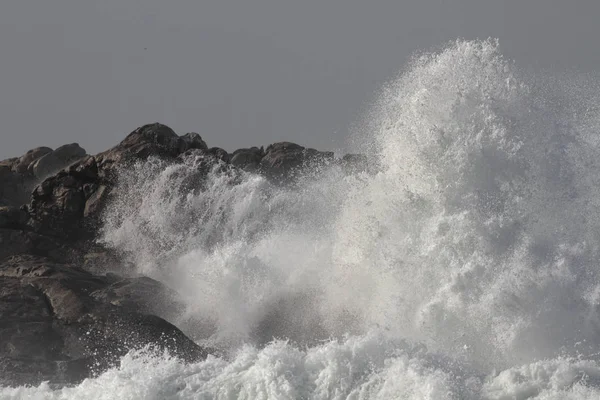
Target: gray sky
{"x":244,"y":72}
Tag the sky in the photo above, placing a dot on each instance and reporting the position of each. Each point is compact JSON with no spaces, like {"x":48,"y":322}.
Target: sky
{"x":245,"y":72}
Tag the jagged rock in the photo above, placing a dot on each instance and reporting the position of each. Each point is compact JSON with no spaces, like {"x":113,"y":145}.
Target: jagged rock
{"x":60,"y":158}
{"x":59,"y":203}
{"x":284,"y":159}
{"x":247,"y":159}
{"x":56,"y":325}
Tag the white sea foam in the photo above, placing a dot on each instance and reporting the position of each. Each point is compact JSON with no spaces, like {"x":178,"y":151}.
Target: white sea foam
{"x":465,"y":268}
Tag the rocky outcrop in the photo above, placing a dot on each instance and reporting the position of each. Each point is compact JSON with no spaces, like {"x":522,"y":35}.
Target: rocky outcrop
{"x":63,"y":317}
{"x":284,"y":160}
{"x":18,"y":176}
{"x":149,"y":140}
{"x":62,"y":324}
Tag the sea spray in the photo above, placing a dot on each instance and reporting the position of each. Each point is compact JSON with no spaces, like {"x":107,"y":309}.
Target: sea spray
{"x":465,"y":267}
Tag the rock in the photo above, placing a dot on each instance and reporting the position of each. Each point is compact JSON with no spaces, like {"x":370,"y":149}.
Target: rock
{"x":58,"y":204}
{"x":142,"y":295}
{"x":149,"y":140}
{"x":56,"y":325}
{"x":12,"y":217}
{"x":96,"y":196}
{"x":28,"y":158}
{"x":247,"y":159}
{"x":283,"y":160}
{"x":60,"y":158}
{"x":193,"y":140}
{"x":15,"y":188}
{"x":219,"y":153}
{"x":24,"y":241}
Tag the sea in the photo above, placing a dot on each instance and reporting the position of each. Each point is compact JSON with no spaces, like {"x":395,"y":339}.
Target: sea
{"x":462,"y":263}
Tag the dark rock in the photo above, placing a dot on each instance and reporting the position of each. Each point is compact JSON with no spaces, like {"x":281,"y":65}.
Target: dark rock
{"x":60,"y":158}
{"x":220,"y":154}
{"x":61,"y":324}
{"x":28,"y":158}
{"x":142,"y":295}
{"x":193,"y":140}
{"x":15,"y":188}
{"x":247,"y":159}
{"x":58,"y":204}
{"x":149,"y":140}
{"x":22,"y":241}
{"x":12,"y":217}
{"x":283,"y":160}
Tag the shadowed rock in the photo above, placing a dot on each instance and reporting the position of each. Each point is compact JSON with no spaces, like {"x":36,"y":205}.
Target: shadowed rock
{"x":62,"y":324}
{"x":247,"y":159}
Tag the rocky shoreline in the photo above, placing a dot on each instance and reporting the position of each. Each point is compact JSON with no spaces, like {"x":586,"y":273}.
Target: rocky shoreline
{"x":61,"y":318}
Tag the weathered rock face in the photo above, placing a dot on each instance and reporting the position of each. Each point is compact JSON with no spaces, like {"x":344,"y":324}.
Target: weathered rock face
{"x":62,"y":324}
{"x":59,"y":204}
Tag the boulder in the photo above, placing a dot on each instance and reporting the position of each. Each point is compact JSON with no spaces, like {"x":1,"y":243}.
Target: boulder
{"x":148,"y":140}
{"x":28,"y":158}
{"x":193,"y":140}
{"x":247,"y":159}
{"x":284,"y":159}
{"x":61,"y":324}
{"x":219,"y":153}
{"x":60,"y":158}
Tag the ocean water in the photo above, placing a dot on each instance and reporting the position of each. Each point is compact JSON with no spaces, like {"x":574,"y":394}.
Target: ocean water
{"x":464,"y":267}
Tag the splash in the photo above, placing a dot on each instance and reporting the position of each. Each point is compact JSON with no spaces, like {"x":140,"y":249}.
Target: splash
{"x":472,"y":250}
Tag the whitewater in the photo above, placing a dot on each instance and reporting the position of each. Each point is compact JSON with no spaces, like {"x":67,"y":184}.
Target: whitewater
{"x":463,"y":264}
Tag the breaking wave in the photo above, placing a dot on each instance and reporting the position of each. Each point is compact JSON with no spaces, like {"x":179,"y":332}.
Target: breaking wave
{"x":464,"y":267}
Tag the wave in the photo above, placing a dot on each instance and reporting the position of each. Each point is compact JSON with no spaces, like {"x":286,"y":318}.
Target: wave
{"x":464,"y":267}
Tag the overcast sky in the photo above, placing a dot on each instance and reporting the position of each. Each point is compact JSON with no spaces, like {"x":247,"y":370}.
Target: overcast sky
{"x":244,"y":72}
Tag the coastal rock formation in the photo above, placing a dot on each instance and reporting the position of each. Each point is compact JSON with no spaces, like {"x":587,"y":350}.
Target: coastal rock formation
{"x":69,"y":307}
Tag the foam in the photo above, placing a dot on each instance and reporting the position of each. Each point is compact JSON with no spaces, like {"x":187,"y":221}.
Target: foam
{"x":473,"y":251}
